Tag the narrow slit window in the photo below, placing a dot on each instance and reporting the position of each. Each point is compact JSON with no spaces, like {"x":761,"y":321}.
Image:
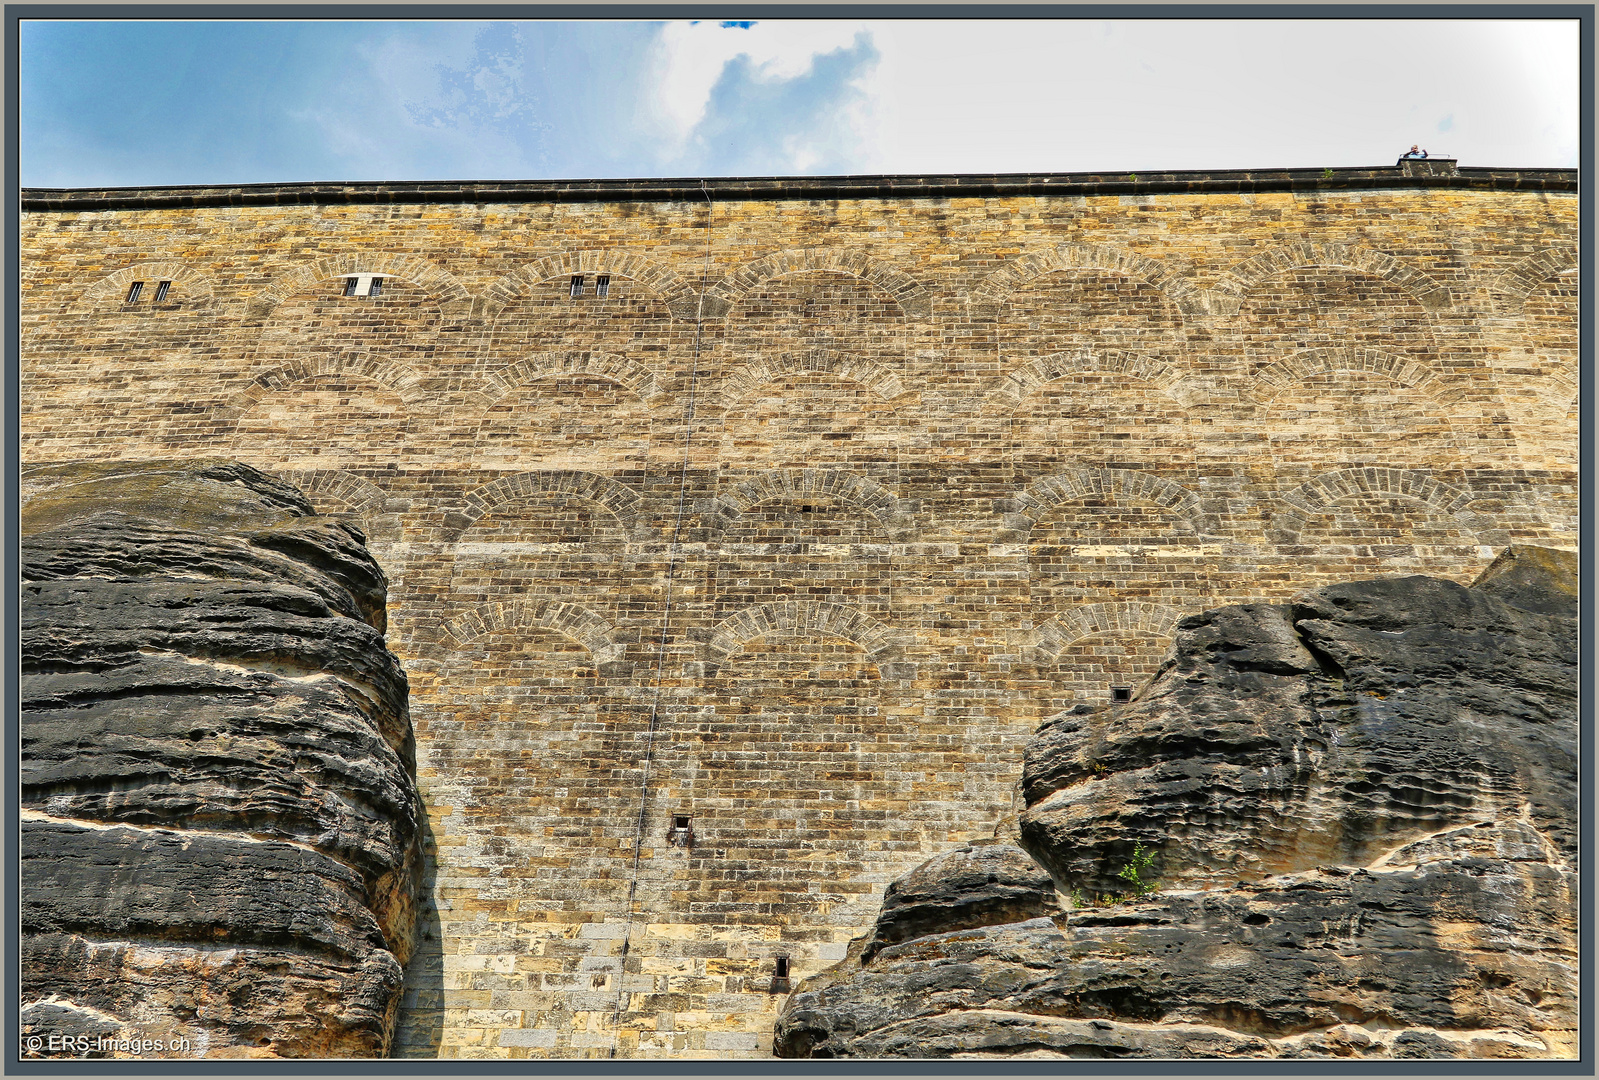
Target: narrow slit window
{"x":577,"y":286}
{"x":602,"y":286}
{"x":1121,"y":694}
{"x":161,"y":290}
{"x":376,"y":288}
{"x":134,"y":290}
{"x":781,"y":971}
{"x":349,"y":286}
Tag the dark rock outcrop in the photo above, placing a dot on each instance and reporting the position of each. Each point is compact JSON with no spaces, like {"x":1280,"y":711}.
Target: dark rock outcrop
{"x":220,"y":835}
{"x":974,"y":885}
{"x":1361,"y":809}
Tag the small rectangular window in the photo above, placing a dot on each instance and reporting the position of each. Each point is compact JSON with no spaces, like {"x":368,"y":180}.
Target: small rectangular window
{"x":782,"y":968}
{"x":1121,"y":694}
{"x":376,"y":288}
{"x":681,"y":834}
{"x":602,"y":286}
{"x":577,"y":286}
{"x":161,"y":288}
{"x":134,"y":290}
{"x":349,"y":286}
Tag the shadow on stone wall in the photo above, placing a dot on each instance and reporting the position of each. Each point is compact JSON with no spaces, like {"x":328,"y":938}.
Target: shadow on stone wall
{"x":420,"y":1025}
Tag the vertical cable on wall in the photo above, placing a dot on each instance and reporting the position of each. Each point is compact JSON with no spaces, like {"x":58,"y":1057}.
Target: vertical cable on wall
{"x":666,"y":622}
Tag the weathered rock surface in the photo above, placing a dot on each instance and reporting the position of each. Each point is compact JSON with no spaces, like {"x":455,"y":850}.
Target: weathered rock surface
{"x":1362,"y":809}
{"x":220,"y":830}
{"x":974,"y":885}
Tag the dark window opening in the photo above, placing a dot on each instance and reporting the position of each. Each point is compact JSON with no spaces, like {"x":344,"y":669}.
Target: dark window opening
{"x":349,"y":286}
{"x":1120,"y":694}
{"x":134,"y":290}
{"x":681,"y":834}
{"x":782,"y":967}
{"x":577,"y":286}
{"x":376,"y":288}
{"x":807,"y":508}
{"x":602,"y":286}
{"x":161,"y":289}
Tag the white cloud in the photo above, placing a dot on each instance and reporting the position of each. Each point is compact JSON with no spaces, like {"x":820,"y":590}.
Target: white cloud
{"x":995,"y":96}
{"x":689,"y":58}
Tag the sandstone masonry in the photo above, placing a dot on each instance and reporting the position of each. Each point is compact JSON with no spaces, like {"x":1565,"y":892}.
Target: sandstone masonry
{"x":801,"y":529}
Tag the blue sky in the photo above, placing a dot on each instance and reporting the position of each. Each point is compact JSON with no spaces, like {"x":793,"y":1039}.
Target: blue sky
{"x":196,"y":102}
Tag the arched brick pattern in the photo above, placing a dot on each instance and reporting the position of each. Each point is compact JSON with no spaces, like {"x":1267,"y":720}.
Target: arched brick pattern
{"x":621,"y":500}
{"x":667,"y":286}
{"x":189,"y":286}
{"x":1564,"y":387}
{"x":881,"y":642}
{"x":858,"y":491}
{"x":592,"y":631}
{"x":1230,"y":290}
{"x":323,"y":486}
{"x":1292,"y":370}
{"x":618,"y":369}
{"x":817,"y":409}
{"x":1540,"y":301}
{"x":744,"y":381}
{"x":391,"y":376}
{"x":453,"y":297}
{"x":1006,"y":393}
{"x":1319,"y":494}
{"x":1049,"y":492}
{"x":1511,"y":288}
{"x":914,"y":298}
{"x":995,"y":288}
{"x":1054,"y":634}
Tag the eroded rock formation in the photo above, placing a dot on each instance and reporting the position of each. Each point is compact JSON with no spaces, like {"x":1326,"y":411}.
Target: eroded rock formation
{"x":220,"y":835}
{"x":1362,"y":812}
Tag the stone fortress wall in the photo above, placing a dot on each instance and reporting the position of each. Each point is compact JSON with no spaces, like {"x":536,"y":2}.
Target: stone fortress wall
{"x":803,"y":528}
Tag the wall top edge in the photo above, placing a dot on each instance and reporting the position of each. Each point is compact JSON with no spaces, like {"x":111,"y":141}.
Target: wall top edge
{"x":806,"y":188}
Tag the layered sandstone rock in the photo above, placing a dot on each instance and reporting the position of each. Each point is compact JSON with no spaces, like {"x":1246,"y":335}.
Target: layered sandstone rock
{"x":220,"y":839}
{"x":1362,"y":813}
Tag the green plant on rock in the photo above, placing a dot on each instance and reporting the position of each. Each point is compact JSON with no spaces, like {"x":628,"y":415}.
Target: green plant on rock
{"x":1133,"y":873}
{"x":1327,"y":174}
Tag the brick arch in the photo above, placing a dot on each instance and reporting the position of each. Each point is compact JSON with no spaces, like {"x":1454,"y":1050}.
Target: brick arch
{"x":882,"y":643}
{"x":1238,"y":280}
{"x":1008,"y":391}
{"x":1510,"y":289}
{"x":914,"y":299}
{"x":454,"y":299}
{"x":405,"y":382}
{"x":186,"y":281}
{"x":1320,"y":494}
{"x":1291,"y":370}
{"x":664,"y":283}
{"x":1045,"y":494}
{"x":1052,"y":635}
{"x":743,"y":381}
{"x":361,"y":495}
{"x":867,"y":495}
{"x":1564,"y":385}
{"x":620,"y":500}
{"x":583,"y":625}
{"x":627,"y":373}
{"x":993,"y":290}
